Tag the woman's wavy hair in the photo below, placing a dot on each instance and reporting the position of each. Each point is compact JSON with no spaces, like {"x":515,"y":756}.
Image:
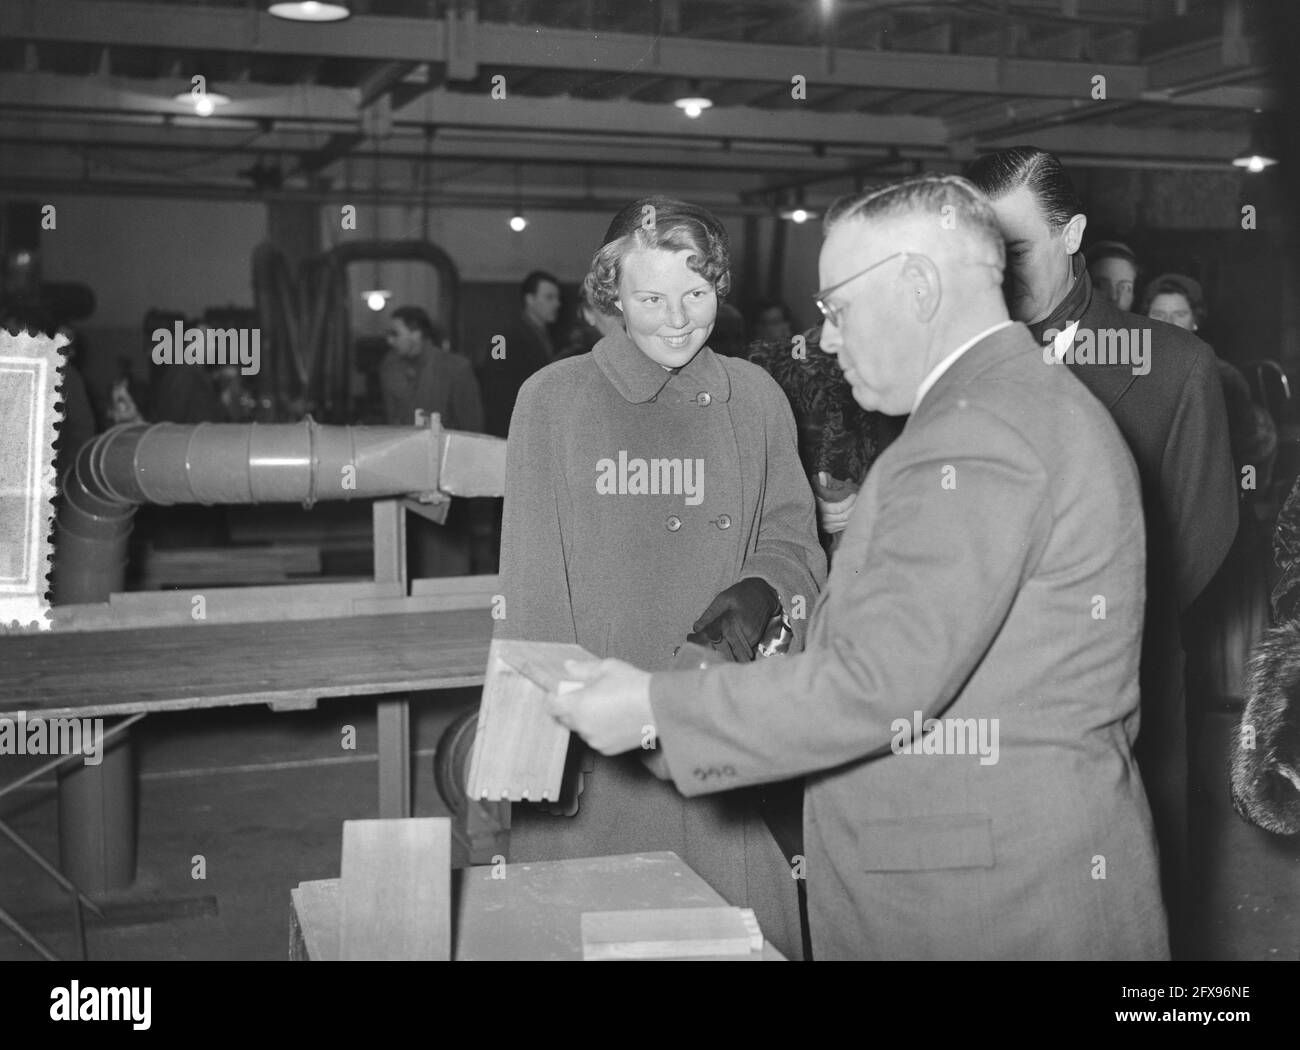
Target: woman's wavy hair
{"x":667,"y":224}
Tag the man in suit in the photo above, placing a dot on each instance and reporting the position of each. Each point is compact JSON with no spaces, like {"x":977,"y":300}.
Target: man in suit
{"x":527,"y":347}
{"x":966,"y":703}
{"x":1171,"y":412}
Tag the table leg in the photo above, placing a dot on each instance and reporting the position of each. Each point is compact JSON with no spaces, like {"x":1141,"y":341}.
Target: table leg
{"x":97,"y":820}
{"x":394,"y":757}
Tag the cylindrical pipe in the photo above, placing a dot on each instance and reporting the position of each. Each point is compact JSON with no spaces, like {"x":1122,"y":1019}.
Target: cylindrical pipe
{"x":219,"y":463}
{"x":168,"y":463}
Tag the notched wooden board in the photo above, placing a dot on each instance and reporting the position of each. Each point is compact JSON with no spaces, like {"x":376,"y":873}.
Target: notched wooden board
{"x":670,"y":933}
{"x":519,"y":749}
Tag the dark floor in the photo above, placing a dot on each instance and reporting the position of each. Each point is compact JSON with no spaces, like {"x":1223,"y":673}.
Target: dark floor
{"x":261,"y":797}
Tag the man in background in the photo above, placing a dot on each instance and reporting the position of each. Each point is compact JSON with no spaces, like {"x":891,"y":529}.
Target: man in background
{"x":1114,"y":271}
{"x":1172,"y":417}
{"x":520,"y":350}
{"x":420,"y":372}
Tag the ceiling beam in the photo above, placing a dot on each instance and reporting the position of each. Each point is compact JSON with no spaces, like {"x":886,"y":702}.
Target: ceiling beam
{"x":474,"y":47}
{"x":47,"y":92}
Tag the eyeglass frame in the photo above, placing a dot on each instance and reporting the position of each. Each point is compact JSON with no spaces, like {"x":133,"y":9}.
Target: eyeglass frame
{"x":833,"y":313}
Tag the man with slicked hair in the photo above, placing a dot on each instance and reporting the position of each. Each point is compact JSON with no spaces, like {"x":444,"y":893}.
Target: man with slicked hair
{"x":964,"y":718}
{"x":1170,"y":410}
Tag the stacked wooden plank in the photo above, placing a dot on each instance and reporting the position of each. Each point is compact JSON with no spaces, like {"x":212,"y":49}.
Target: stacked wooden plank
{"x":519,"y":749}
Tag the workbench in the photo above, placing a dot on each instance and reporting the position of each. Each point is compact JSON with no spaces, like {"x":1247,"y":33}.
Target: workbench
{"x":287,"y":647}
{"x":528,"y":912}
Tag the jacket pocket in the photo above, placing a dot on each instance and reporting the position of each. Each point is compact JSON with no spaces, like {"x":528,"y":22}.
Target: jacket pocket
{"x":927,"y":843}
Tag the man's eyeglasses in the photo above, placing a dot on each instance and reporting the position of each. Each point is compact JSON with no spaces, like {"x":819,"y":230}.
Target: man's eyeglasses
{"x":833,"y":313}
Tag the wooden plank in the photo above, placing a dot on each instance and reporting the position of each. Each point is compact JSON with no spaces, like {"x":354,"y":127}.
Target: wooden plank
{"x":390,"y":542}
{"x":88,"y":673}
{"x":257,"y":596}
{"x":393,"y":718}
{"x":226,"y":605}
{"x":531,"y":912}
{"x":444,"y":585}
{"x":519,"y":749}
{"x":670,"y":933}
{"x":395,"y":890}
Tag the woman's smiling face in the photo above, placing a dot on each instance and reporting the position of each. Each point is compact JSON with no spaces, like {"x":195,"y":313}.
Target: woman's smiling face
{"x":669,"y":309}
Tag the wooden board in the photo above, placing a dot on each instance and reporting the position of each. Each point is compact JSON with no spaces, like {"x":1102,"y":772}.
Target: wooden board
{"x":670,"y":933}
{"x":519,"y":749}
{"x":395,"y":890}
{"x":91,"y":673}
{"x":528,"y":911}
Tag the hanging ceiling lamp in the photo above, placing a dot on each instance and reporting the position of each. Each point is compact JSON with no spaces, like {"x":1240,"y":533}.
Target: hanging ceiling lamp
{"x":310,"y":11}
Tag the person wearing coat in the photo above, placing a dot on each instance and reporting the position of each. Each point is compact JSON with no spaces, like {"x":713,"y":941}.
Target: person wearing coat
{"x":654,"y":494}
{"x":1170,"y":409}
{"x":990,"y":580}
{"x":421,"y":373}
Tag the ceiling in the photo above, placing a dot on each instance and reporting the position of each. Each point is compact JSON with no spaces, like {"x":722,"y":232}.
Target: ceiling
{"x":398,"y":100}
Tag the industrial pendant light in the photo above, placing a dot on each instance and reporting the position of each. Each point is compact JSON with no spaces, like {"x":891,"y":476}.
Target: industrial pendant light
{"x":693,"y":101}
{"x":1260,"y":154}
{"x":518,"y":222}
{"x":310,"y":11}
{"x":376,"y":296}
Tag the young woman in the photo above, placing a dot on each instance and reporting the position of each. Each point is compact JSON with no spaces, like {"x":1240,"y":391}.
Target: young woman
{"x":654,"y":492}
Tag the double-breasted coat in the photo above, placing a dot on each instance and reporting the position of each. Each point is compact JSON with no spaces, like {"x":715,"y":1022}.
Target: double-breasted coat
{"x":634,"y":495}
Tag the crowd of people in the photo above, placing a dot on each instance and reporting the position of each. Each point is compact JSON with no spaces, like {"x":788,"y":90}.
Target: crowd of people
{"x":828,"y":553}
{"x":1011,"y":543}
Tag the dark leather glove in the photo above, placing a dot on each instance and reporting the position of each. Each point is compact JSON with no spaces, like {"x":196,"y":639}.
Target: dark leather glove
{"x":736,"y":620}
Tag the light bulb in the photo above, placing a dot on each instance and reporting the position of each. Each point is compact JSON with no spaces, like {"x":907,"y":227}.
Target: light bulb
{"x":518,"y":223}
{"x":203,"y":106}
{"x":376,"y":300}
{"x":799,"y":215}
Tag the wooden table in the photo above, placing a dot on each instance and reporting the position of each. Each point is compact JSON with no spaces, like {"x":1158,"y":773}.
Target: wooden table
{"x":532,"y":914}
{"x":288,"y":664}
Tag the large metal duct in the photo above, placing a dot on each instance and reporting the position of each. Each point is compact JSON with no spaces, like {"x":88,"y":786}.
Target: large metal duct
{"x":167,"y":463}
{"x":217,"y":463}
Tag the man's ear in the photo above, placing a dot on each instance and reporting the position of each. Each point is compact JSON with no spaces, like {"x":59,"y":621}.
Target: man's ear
{"x":924,"y":288}
{"x":1072,"y":233}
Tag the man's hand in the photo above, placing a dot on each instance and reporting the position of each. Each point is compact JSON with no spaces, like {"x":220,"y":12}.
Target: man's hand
{"x":831,"y":512}
{"x":735,"y":621}
{"x":611,"y":712}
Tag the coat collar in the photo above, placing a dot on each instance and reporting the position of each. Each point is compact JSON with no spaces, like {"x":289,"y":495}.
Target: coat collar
{"x":639,"y":379}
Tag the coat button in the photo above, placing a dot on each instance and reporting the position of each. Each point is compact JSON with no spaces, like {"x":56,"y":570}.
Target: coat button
{"x":722,"y":521}
{"x":674,"y":523}
{"x":703,"y":398}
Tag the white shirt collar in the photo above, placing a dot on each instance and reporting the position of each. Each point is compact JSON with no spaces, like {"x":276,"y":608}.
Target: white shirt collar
{"x":948,"y":361}
{"x":1063,"y":341}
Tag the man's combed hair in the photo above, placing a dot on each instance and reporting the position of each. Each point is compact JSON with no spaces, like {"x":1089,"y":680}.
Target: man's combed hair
{"x":418,"y":320}
{"x":535,"y":280}
{"x":951,"y":199}
{"x":1005,"y":171}
{"x":663,"y":223}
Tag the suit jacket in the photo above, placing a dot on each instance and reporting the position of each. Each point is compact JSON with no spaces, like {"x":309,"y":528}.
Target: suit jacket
{"x":443,"y":382}
{"x":526,"y":352}
{"x":1175,"y":423}
{"x":1176,"y":426}
{"x":992,"y":570}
